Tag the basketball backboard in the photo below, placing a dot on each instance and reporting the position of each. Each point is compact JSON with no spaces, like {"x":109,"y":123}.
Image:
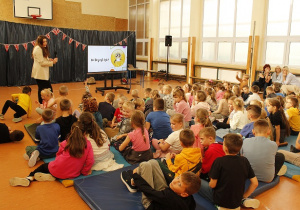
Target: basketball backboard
{"x":41,"y":9}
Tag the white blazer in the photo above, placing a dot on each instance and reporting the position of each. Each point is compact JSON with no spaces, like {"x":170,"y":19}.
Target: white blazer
{"x":40,"y":68}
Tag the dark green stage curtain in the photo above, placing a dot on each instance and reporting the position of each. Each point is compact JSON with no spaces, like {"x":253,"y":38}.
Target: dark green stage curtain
{"x":15,"y":66}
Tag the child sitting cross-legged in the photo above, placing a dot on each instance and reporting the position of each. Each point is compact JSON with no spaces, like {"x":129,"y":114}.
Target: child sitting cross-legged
{"x":157,"y":193}
{"x":211,"y":150}
{"x":118,"y":115}
{"x":168,"y":98}
{"x":172,"y":143}
{"x":292,"y":109}
{"x":159,"y":120}
{"x":189,"y":159}
{"x":74,"y":157}
{"x":48,"y":99}
{"x":106,"y":108}
{"x":228,"y":175}
{"x":139,"y":137}
{"x":262,"y":153}
{"x":253,"y":114}
{"x":123,"y":127}
{"x":66,"y":120}
{"x":48,"y":136}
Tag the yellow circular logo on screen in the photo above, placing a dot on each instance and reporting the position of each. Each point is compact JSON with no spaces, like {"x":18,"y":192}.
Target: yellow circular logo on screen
{"x":118,"y":58}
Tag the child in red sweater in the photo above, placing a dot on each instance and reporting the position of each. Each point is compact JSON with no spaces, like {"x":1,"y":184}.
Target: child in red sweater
{"x":74,"y":157}
{"x":212,"y":150}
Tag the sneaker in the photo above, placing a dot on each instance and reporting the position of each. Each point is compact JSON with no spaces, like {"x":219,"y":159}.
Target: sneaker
{"x":41,"y":177}
{"x":251,"y":203}
{"x":282,"y":171}
{"x":34,"y":156}
{"x":26,"y":157}
{"x":293,"y":149}
{"x":126,"y":179}
{"x":16,"y":181}
{"x":16,"y":120}
{"x":1,"y":116}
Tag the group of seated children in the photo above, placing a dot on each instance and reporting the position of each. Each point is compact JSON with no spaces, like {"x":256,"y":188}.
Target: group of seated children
{"x":182,"y":126}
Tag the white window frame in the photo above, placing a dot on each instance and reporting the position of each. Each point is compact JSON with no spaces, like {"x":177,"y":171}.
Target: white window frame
{"x":233,"y":40}
{"x":287,"y":40}
{"x":144,"y":40}
{"x":180,"y":39}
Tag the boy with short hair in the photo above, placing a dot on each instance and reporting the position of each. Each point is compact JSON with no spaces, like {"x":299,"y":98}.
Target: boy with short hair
{"x":63,"y":93}
{"x":246,"y":92}
{"x":254,"y":96}
{"x":8,"y":136}
{"x":159,"y":120}
{"x":189,"y":158}
{"x":292,"y":106}
{"x":157,"y":193}
{"x":253,"y":114}
{"x":66,"y":120}
{"x":168,"y":97}
{"x":228,"y":175}
{"x":21,"y":104}
{"x":47,"y":135}
{"x":134,"y":94}
{"x":277,"y":89}
{"x":124,"y":127}
{"x":243,"y":81}
{"x":270,"y":92}
{"x":105,"y":108}
{"x":147,"y":94}
{"x":160,"y":86}
{"x":262,"y":153}
{"x":211,"y":148}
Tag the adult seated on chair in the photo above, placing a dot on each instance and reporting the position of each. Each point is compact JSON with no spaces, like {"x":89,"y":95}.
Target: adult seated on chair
{"x":264,"y":79}
{"x":290,"y":83}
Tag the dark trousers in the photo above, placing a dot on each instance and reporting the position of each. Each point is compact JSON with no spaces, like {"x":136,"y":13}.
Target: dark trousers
{"x":19,"y":110}
{"x":41,"y":169}
{"x":42,"y":84}
{"x":279,"y":161}
{"x":294,"y":133}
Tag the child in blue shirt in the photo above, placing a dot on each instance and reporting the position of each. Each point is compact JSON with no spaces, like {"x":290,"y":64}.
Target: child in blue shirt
{"x":253,"y":112}
{"x":159,"y":120}
{"x":47,"y":135}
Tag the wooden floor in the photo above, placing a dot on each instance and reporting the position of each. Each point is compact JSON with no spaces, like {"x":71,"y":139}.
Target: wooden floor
{"x":53,"y":195}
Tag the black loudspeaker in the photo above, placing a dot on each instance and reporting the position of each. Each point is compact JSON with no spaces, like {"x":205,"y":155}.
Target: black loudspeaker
{"x":168,"y":40}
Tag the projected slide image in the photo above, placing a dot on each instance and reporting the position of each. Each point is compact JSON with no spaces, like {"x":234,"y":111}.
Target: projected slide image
{"x":107,"y":58}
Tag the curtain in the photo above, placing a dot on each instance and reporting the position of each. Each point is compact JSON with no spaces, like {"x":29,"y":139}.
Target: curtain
{"x":16,"y":66}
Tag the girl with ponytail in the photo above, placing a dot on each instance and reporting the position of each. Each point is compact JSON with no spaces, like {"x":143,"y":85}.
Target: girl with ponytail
{"x":202,"y":120}
{"x":279,"y":121}
{"x":74,"y":157}
{"x":104,"y":158}
{"x":139,"y":138}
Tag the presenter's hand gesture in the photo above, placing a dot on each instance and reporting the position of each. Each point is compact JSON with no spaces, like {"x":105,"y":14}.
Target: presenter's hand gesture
{"x":55,"y":60}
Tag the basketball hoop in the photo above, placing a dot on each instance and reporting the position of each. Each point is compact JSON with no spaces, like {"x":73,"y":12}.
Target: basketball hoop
{"x":35,"y":16}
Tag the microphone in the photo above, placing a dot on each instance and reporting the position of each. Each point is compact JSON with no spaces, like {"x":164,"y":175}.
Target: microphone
{"x":55,"y":54}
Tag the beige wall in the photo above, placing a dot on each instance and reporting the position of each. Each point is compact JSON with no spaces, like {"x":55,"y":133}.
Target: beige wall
{"x":110,"y":8}
{"x":68,"y":14}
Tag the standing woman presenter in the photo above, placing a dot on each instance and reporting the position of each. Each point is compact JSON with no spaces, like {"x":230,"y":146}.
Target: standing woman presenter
{"x":41,"y":64}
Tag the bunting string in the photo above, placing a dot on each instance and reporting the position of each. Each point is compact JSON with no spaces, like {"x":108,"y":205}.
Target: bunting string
{"x":57,"y":31}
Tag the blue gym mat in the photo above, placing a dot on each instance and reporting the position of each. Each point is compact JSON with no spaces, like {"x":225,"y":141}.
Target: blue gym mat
{"x":107,"y":191}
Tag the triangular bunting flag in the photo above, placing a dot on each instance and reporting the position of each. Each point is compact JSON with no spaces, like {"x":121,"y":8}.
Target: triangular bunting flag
{"x":56,"y":31}
{"x":83,"y":47}
{"x":48,"y":36}
{"x":64,"y":36}
{"x":125,"y":40}
{"x":120,"y":43}
{"x":25,"y":46}
{"x":33,"y":43}
{"x":77,"y":43}
{"x":70,"y":40}
{"x":6,"y":47}
{"x":17,"y":47}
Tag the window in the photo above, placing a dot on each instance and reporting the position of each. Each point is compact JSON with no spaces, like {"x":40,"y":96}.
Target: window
{"x":139,"y":22}
{"x":283,"y":40}
{"x":174,"y":20}
{"x":226,"y":28}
